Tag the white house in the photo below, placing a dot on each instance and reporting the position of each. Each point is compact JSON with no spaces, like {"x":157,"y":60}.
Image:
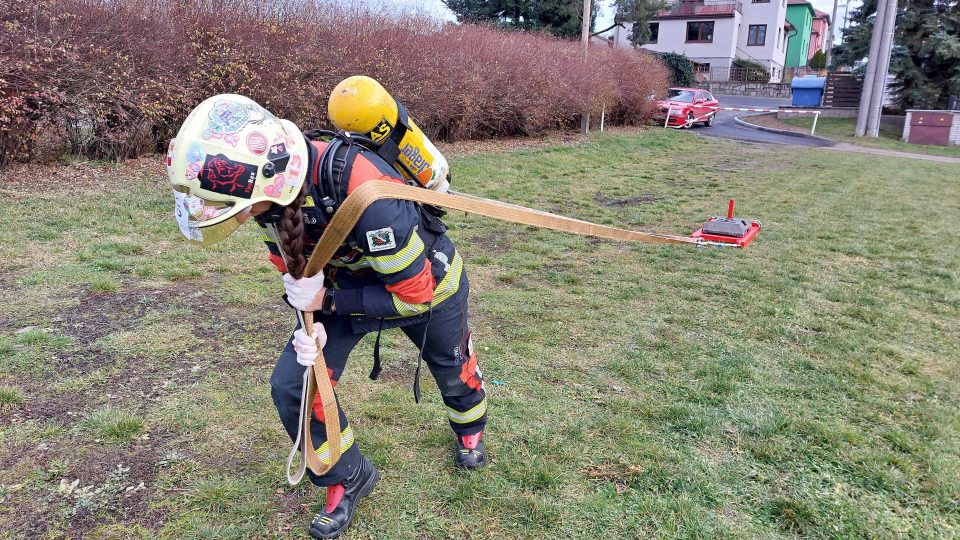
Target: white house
{"x":713,"y":33}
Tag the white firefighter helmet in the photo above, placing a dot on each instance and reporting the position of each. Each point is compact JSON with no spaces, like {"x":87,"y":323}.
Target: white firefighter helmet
{"x":230,"y":154}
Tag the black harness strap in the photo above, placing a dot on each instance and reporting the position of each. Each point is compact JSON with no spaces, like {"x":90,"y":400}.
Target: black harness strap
{"x":389,"y":149}
{"x":377,"y":366}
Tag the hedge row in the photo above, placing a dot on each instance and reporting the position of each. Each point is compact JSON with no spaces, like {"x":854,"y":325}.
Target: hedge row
{"x":114,"y":78}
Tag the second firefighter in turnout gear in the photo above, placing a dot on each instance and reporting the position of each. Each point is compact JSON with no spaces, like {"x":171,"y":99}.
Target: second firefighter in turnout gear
{"x":233,"y":160}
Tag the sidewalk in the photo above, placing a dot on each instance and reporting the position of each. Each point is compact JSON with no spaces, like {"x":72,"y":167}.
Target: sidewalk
{"x":847,"y":147}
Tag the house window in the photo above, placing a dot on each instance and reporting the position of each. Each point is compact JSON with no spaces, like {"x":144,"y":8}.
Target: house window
{"x":757,"y":34}
{"x":700,"y":32}
{"x":779,"y":32}
{"x":654,"y":32}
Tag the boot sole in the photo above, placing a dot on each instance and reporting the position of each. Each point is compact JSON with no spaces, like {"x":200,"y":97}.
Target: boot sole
{"x":364,"y":491}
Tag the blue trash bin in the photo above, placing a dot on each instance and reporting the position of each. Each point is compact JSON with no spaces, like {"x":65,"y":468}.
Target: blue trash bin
{"x":807,"y":91}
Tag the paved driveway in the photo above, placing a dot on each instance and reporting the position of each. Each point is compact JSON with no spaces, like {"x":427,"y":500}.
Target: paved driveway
{"x":726,"y":128}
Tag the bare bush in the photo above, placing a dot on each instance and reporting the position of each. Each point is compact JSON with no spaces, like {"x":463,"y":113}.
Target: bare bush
{"x":114,"y":78}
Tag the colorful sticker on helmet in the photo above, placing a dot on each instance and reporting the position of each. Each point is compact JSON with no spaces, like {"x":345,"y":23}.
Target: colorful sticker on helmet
{"x":223,"y":175}
{"x":296,"y":165}
{"x":257,"y":142}
{"x":194,"y":161}
{"x":276,"y":189}
{"x":278,"y":156}
{"x":380,"y":131}
{"x":381,"y":239}
{"x":182,"y":215}
{"x":228,"y":117}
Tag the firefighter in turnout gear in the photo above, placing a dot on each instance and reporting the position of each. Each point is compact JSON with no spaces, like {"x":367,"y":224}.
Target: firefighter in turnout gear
{"x":231,"y":161}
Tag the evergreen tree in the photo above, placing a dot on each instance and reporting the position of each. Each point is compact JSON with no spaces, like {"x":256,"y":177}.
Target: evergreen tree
{"x":926,"y":55}
{"x":818,"y":60}
{"x":638,"y":12}
{"x":560,"y":17}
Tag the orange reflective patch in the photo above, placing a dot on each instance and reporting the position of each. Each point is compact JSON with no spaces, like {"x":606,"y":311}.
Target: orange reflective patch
{"x":468,"y":373}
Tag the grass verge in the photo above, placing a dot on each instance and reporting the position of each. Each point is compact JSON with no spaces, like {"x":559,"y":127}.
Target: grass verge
{"x":842,"y":130}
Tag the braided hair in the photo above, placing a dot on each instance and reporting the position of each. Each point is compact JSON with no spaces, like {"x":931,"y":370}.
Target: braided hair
{"x":291,"y":234}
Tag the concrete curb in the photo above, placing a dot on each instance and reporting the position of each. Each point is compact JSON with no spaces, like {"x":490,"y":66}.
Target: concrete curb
{"x":738,"y":120}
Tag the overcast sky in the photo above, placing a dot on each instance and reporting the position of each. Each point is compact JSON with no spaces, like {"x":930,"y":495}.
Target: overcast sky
{"x":435,"y":8}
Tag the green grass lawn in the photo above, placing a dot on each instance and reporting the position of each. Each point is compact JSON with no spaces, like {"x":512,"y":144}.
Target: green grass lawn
{"x":807,"y":387}
{"x":842,"y":130}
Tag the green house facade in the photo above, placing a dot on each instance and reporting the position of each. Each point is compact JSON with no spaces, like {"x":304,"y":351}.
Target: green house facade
{"x":800,"y":15}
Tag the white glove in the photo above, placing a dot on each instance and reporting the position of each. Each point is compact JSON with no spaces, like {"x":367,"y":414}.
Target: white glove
{"x":306,"y":346}
{"x":305,"y":294}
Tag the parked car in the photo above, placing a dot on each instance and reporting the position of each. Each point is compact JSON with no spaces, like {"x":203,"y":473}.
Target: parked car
{"x":686,"y":107}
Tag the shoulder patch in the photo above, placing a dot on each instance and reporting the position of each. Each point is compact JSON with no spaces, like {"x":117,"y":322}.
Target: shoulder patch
{"x":381,"y":239}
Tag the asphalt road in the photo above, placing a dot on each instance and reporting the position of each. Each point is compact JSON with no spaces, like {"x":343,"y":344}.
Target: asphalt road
{"x":725,"y":128}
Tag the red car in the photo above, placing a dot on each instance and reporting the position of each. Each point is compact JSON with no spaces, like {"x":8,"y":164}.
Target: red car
{"x":687,"y":106}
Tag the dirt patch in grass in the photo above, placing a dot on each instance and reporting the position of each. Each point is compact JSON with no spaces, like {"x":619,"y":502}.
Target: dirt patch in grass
{"x":645,"y":198}
{"x":108,"y":484}
{"x":497,"y":242}
{"x":87,"y":376}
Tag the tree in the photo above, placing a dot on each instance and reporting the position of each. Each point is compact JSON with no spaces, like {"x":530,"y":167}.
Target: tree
{"x":681,"y":68}
{"x":638,"y":12}
{"x":926,"y":53}
{"x":559,"y":17}
{"x":818,"y":61}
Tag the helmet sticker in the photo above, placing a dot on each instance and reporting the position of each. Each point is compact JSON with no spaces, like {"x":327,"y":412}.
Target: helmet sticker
{"x":182,"y":214}
{"x":257,"y":142}
{"x":228,"y":117}
{"x":194,"y":158}
{"x":223,"y":175}
{"x":276,"y":189}
{"x":278,"y":156}
{"x":296,"y":165}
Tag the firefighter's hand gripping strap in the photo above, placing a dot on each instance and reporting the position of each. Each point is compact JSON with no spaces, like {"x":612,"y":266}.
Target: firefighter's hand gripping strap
{"x":343,"y":222}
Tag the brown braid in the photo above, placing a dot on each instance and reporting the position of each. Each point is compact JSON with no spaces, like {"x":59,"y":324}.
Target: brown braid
{"x":291,"y":235}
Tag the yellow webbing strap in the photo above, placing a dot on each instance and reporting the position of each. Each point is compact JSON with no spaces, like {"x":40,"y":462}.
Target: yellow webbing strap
{"x":346,"y":218}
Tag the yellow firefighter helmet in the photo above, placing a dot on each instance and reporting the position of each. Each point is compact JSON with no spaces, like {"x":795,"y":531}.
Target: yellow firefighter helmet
{"x":230,"y":154}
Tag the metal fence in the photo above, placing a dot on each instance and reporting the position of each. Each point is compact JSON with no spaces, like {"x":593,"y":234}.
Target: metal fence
{"x":694,"y":8}
{"x":732,"y":74}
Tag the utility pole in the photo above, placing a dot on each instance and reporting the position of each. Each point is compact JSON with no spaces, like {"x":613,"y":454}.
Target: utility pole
{"x":833,"y":31}
{"x":585,"y":36}
{"x":867,"y":93}
{"x":883,"y":66}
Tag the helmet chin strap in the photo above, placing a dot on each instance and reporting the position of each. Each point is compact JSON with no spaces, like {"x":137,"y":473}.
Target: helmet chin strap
{"x":271,"y":217}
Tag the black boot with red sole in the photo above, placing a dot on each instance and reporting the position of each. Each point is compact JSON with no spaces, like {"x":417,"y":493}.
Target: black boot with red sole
{"x":342,"y":501}
{"x":470,"y":452}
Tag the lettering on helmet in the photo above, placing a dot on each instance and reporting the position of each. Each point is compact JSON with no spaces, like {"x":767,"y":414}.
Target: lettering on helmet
{"x":223,"y":175}
{"x":380,"y":131}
